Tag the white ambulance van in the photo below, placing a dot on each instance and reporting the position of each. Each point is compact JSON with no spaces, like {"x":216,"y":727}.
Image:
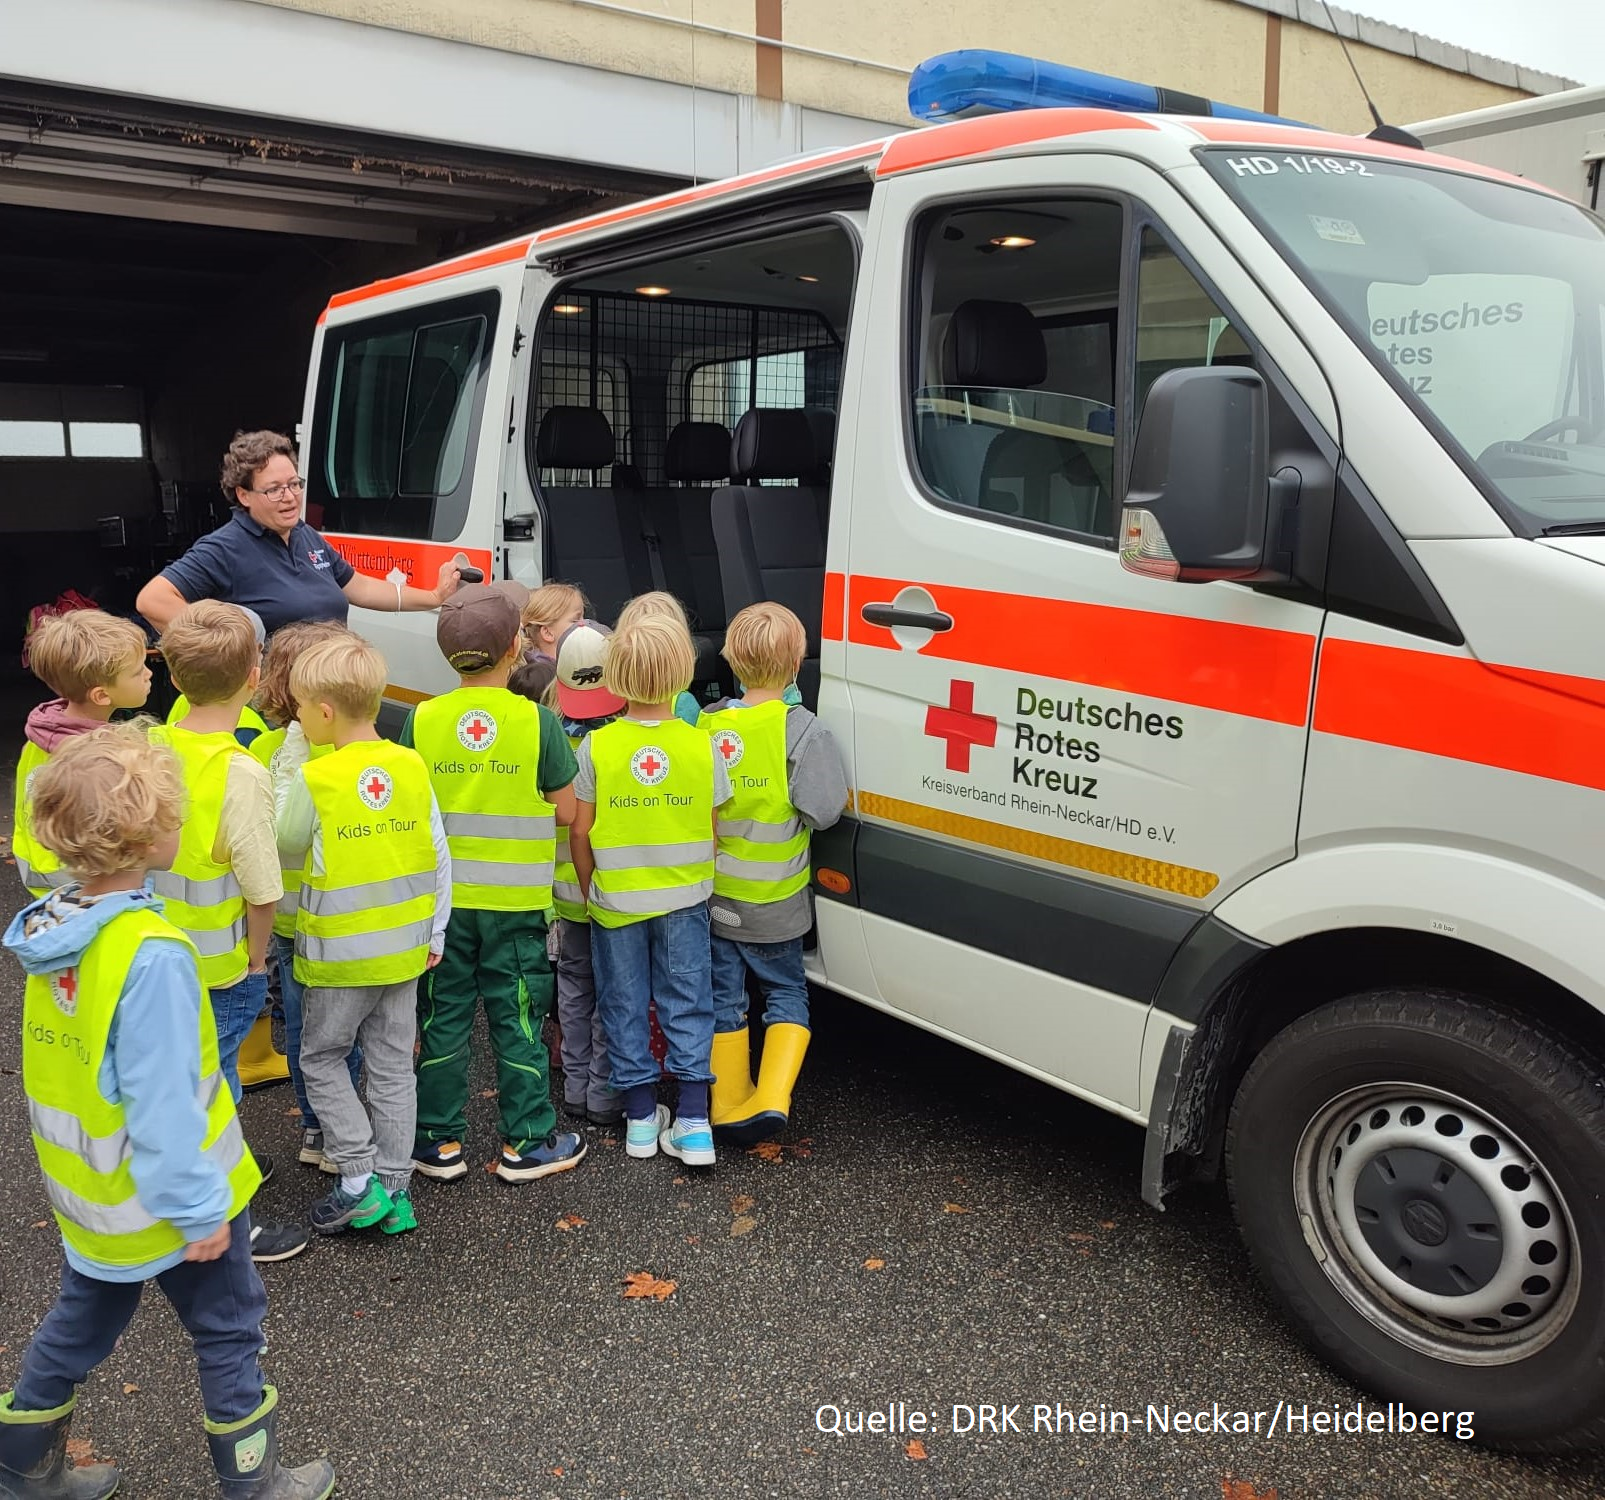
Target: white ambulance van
{"x":1200,"y":528}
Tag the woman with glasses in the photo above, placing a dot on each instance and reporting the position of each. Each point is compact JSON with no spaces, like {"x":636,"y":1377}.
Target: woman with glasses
{"x":267,"y":558}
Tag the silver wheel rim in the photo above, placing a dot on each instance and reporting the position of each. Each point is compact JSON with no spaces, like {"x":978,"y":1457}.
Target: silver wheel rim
{"x":1435,"y":1222}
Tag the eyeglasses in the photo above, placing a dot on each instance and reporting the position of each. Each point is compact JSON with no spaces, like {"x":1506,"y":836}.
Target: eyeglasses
{"x":274,"y":491}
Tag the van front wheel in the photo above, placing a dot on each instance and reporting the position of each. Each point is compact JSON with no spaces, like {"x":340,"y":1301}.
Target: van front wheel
{"x":1418,"y":1177}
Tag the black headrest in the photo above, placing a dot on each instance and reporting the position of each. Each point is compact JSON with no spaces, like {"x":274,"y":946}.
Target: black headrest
{"x":697,"y":452}
{"x":993,"y":344}
{"x":773,"y":443}
{"x":574,"y":437}
{"x":822,"y":421}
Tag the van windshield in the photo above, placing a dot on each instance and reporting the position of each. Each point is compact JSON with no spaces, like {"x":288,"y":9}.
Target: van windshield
{"x":1483,"y":301}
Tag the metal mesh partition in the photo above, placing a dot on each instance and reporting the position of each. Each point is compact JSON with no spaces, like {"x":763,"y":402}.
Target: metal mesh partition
{"x":648,"y":363}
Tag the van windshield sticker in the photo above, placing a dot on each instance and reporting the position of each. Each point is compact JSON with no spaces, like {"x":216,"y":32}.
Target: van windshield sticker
{"x":1339,"y":231}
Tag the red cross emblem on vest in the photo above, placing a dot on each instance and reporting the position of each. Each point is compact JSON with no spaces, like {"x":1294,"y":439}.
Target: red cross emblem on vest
{"x":476,"y":730}
{"x":649,"y":765}
{"x":374,"y":786}
{"x":64,"y":991}
{"x":727,"y":744}
{"x":960,"y":726}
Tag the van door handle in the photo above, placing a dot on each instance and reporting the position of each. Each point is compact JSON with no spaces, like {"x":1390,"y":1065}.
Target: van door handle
{"x":916,"y":619}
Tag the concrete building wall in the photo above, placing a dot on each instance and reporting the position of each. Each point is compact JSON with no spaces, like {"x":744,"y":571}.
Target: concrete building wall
{"x":1256,"y":53}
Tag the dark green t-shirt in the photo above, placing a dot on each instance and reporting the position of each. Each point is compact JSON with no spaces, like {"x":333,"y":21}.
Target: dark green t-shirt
{"x":557,"y":766}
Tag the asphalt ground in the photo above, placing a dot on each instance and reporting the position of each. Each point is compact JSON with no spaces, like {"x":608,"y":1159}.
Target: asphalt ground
{"x":936,"y":1231}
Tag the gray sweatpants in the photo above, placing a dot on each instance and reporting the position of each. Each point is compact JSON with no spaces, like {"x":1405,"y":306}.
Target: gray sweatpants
{"x":584,"y":1051}
{"x":384,"y":1019}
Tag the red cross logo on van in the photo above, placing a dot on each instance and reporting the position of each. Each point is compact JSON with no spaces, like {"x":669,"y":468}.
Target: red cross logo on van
{"x":374,"y":787}
{"x":960,"y":725}
{"x":476,"y":730}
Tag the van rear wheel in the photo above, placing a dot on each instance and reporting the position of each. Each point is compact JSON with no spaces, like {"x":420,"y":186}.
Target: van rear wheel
{"x":1418,"y":1177}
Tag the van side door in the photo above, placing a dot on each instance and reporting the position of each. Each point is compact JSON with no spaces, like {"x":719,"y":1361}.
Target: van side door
{"x":1061,"y":767}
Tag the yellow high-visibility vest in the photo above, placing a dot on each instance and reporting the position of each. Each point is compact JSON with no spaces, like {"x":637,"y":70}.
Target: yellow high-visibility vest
{"x":249,"y":718}
{"x":653,"y":835}
{"x":482,"y":749}
{"x":38,"y":866}
{"x":81,"y":1139}
{"x":763,"y":844}
{"x":263,"y":748}
{"x":365,"y":918}
{"x":567,"y":899}
{"x":202,"y":897}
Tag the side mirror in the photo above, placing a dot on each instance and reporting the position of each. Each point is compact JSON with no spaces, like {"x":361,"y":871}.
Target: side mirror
{"x":1198,"y":505}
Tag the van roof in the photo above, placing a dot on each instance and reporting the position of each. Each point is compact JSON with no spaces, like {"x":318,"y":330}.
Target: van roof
{"x":1168,"y":138}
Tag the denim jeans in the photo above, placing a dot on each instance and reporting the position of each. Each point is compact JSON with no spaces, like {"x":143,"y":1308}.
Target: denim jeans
{"x":221,"y":1302}
{"x":283,"y":951}
{"x":236,"y":1008}
{"x":663,"y":960}
{"x":778,"y":968}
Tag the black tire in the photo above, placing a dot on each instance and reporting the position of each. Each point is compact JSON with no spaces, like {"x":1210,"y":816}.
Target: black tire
{"x":1501,"y":1098}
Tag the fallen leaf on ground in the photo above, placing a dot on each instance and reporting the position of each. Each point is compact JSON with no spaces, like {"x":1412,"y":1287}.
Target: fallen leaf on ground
{"x":766,"y":1150}
{"x":490,"y":1167}
{"x":954,"y":1208}
{"x":645,"y":1284}
{"x":570,"y":1222}
{"x":679,"y":1182}
{"x":874,"y":1265}
{"x":1106,"y":1223}
{"x":42,"y":1224}
{"x":557,"y":1473}
{"x":1078,"y":1237}
{"x":741,"y":1204}
{"x":802,"y":1149}
{"x":487,"y":1093}
{"x":1241,"y":1489}
{"x":915,"y":1449}
{"x":81,"y":1451}
{"x":745,"y":1224}
{"x":130,"y":1389}
{"x":293,"y":1112}
{"x":693,"y":1239}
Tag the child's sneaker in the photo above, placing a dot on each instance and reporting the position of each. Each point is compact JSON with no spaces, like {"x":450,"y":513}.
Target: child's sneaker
{"x":311,"y":1152}
{"x":559,"y":1152}
{"x":341,"y":1210}
{"x":641,"y":1136}
{"x":690,"y":1140}
{"x":401,"y":1218}
{"x":442,"y":1160}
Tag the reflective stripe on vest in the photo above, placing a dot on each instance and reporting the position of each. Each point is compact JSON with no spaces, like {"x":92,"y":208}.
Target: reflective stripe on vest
{"x":201,"y":895}
{"x":567,"y":898}
{"x":653,"y":835}
{"x":763,"y":844}
{"x":366,"y":916}
{"x":38,"y":866}
{"x":80,"y":1138}
{"x":482,"y":749}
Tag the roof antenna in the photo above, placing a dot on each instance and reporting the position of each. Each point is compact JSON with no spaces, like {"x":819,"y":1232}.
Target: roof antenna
{"x":1392,"y":134}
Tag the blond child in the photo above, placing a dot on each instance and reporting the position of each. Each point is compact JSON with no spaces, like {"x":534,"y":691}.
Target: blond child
{"x":661,"y":605}
{"x":375,"y":900}
{"x":787,"y":780}
{"x":547,"y":613}
{"x":643,"y":851}
{"x":283,"y":750}
{"x":95,"y":664}
{"x":172,"y":1202}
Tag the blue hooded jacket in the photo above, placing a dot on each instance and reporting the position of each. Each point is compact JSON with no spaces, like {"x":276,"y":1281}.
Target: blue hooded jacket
{"x":152,"y":1065}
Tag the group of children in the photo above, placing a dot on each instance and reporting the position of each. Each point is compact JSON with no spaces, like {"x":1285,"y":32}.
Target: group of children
{"x":397,"y":885}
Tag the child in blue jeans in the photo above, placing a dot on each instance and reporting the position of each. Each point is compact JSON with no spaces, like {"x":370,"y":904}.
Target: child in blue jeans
{"x":643,"y":850}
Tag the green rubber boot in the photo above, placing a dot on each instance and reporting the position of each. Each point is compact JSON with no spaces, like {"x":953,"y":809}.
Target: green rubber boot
{"x":246,"y":1457}
{"x":33,"y":1458}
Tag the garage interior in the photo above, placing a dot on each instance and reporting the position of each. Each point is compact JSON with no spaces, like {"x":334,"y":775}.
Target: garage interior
{"x":161,"y":274}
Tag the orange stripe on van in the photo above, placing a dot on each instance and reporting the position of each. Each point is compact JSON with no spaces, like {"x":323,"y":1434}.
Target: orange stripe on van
{"x":1543,"y":724}
{"x":949,"y":143}
{"x":480,"y":260}
{"x":831,"y":618}
{"x":1238,"y":669}
{"x":420,"y":561}
{"x":866,"y":151}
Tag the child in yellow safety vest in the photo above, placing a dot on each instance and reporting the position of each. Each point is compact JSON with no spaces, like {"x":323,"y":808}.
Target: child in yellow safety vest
{"x":501,"y":770}
{"x":643,"y":851}
{"x":786,"y":779}
{"x":135,"y":1132}
{"x":95,"y":664}
{"x":284,"y":750}
{"x":225,"y":883}
{"x":375,"y":900}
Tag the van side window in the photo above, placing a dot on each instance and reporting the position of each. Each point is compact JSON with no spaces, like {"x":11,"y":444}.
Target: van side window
{"x":1014,"y":388}
{"x":1178,"y":323}
{"x":399,"y":403}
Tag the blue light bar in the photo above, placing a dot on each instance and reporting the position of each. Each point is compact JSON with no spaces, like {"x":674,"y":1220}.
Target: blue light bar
{"x":960,"y":85}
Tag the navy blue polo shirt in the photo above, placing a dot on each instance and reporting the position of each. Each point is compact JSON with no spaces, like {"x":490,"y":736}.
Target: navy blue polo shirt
{"x":242,"y":562}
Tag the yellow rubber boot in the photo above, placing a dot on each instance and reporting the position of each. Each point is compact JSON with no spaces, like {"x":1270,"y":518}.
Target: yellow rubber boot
{"x":732,"y":1074}
{"x":764,"y":1114}
{"x":259,"y":1064}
